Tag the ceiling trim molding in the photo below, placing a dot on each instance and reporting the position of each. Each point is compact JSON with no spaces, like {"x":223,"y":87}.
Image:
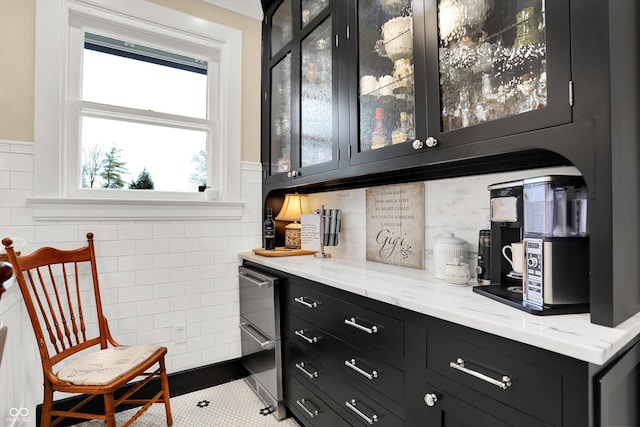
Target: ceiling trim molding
{"x":250,"y":8}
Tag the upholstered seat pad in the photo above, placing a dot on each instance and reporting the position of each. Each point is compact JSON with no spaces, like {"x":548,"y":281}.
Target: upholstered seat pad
{"x":104,"y":366}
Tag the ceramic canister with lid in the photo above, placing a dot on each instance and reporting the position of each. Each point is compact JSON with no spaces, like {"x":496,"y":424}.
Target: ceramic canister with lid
{"x":447,"y":248}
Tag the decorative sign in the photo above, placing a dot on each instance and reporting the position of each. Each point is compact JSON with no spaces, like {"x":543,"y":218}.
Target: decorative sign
{"x":310,"y":232}
{"x":395,"y":225}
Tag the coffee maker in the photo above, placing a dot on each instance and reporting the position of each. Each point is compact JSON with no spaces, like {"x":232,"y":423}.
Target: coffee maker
{"x":547,"y":215}
{"x":506,"y":214}
{"x":556,"y":241}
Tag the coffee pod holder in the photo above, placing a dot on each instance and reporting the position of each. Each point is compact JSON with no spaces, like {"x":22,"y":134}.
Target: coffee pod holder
{"x":330,"y":225}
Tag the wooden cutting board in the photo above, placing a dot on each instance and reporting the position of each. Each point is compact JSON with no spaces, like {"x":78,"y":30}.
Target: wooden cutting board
{"x":281,"y":251}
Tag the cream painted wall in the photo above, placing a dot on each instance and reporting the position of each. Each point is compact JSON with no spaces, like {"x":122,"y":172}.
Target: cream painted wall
{"x":17,"y":38}
{"x":17,"y":35}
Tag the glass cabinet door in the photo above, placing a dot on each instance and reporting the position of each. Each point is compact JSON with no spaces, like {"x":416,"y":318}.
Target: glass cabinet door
{"x":280,"y":136}
{"x":502,"y":67}
{"x":316,"y":97}
{"x":386,"y":90}
{"x":301,"y":89}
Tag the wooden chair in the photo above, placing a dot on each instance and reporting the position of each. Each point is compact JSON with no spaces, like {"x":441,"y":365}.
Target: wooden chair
{"x":61,"y":292}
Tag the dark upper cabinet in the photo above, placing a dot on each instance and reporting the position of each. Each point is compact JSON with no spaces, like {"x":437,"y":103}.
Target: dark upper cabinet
{"x":300,"y":84}
{"x":496,"y":68}
{"x":350,"y":85}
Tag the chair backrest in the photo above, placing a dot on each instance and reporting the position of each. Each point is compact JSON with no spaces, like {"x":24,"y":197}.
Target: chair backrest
{"x":61,"y":292}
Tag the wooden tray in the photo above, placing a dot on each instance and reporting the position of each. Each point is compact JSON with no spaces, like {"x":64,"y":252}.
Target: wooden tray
{"x":281,"y":251}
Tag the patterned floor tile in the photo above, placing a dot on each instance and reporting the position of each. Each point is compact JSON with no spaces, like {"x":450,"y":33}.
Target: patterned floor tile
{"x":233,"y":404}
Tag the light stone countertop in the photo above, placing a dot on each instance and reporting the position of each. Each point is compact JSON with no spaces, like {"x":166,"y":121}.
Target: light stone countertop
{"x":417,"y":290}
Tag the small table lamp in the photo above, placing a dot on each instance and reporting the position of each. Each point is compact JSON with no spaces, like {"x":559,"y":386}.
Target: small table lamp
{"x":292,"y":209}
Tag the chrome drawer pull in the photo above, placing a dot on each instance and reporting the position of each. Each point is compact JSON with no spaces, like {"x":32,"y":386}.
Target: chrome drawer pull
{"x":459,"y":365}
{"x":301,"y":334}
{"x":259,"y":283}
{"x":311,"y":414}
{"x":352,"y":405}
{"x":301,"y":300}
{"x":352,"y":322}
{"x":301,"y":368}
{"x":352,"y":364}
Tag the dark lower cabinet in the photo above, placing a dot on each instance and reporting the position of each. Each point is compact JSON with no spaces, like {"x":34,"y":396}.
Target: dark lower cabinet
{"x":430,"y":372}
{"x":617,"y":390}
{"x":446,"y":409}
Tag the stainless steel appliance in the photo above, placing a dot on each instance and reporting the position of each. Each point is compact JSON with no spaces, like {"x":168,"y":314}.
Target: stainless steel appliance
{"x":260,"y":334}
{"x":546,"y":217}
{"x":556,"y":241}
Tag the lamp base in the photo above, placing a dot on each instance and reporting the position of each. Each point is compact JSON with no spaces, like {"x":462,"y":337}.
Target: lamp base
{"x":292,"y":236}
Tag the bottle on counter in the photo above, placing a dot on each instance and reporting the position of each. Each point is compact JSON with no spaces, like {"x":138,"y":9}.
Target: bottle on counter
{"x":269,"y":231}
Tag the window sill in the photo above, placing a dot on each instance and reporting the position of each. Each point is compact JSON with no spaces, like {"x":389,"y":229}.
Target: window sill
{"x":78,"y":209}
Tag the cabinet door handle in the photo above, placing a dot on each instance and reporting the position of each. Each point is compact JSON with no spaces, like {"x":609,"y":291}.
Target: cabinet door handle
{"x":352,"y":405}
{"x":301,"y":367}
{"x":302,"y":301}
{"x":301,"y":334}
{"x":459,"y":365}
{"x":431,"y":142}
{"x":355,"y":324}
{"x":311,"y":414}
{"x":352,"y":364}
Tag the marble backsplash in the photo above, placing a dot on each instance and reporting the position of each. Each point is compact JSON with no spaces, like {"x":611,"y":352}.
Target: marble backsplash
{"x":457,"y":205}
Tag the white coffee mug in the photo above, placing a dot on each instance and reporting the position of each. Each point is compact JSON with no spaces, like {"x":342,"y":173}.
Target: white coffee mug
{"x":517,"y":256}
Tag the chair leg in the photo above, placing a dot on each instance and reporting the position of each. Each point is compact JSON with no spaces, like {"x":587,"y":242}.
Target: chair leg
{"x":164,"y":381}
{"x":109,"y":410}
{"x":47,"y":405}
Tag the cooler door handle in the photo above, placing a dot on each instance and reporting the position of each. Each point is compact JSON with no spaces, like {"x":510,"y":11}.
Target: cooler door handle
{"x":264,"y":344}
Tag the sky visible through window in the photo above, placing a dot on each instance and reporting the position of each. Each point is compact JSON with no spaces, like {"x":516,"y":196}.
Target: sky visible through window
{"x":166,"y":152}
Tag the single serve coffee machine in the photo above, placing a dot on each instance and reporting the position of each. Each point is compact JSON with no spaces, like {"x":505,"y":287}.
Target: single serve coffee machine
{"x":539,"y":245}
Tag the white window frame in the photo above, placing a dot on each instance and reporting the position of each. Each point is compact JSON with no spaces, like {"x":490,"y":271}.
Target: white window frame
{"x":60,"y":26}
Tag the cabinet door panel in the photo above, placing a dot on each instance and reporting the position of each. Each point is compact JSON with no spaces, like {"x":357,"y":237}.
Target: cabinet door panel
{"x":300,"y":58}
{"x":614,"y":386}
{"x":496,"y":69}
{"x":280,"y":125}
{"x":443,"y":408}
{"x":385,"y":95}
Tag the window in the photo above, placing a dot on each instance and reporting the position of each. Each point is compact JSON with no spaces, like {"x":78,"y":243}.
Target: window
{"x":134,"y":96}
{"x":128,"y":90}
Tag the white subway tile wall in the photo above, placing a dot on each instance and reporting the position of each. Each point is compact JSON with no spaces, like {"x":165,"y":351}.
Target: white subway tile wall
{"x":154,"y":275}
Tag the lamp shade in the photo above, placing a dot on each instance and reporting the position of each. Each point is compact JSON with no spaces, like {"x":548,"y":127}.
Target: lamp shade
{"x":293,"y":207}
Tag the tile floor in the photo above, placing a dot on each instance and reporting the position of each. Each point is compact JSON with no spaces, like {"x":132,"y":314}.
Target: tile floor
{"x":232,"y":404}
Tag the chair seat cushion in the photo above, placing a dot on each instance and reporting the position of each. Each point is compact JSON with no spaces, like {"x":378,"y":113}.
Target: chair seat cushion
{"x":104,"y":366}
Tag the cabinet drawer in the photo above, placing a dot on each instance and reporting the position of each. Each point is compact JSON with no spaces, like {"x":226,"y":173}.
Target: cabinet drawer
{"x":363,"y":410}
{"x":311,"y":409}
{"x":348,"y":321}
{"x":345,"y":362}
{"x":531,"y":388}
{"x":309,"y":367}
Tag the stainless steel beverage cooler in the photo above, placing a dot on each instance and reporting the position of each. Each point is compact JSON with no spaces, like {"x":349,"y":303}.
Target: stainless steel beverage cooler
{"x":260,"y":334}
